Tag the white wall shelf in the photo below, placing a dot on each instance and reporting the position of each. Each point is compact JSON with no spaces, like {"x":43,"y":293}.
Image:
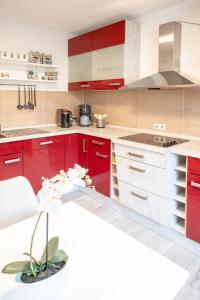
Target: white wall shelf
{"x":22,"y":63}
{"x":15,"y":80}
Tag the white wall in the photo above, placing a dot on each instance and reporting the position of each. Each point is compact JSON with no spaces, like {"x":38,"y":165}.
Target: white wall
{"x":186,"y":11}
{"x":18,"y":36}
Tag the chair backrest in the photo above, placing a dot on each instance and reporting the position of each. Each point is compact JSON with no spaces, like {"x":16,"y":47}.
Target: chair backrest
{"x":17,"y":201}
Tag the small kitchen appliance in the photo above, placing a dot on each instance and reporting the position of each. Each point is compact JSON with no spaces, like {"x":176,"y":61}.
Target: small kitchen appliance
{"x":85,"y":115}
{"x":64,"y":118}
{"x":155,"y":140}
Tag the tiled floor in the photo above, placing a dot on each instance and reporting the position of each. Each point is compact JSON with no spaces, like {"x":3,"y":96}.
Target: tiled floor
{"x":174,"y":252}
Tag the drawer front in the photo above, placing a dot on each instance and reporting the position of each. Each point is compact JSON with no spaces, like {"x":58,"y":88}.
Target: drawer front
{"x":145,"y":156}
{"x":9,"y":148}
{"x":43,"y":143}
{"x":143,"y":202}
{"x":10,"y":166}
{"x":99,"y":144}
{"x":194,"y":165}
{"x":149,"y":178}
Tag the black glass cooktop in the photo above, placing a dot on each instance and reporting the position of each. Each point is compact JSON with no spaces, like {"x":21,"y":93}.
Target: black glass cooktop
{"x":156,"y":140}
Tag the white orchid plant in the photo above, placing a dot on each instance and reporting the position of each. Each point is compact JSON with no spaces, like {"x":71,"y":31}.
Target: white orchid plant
{"x":49,"y":200}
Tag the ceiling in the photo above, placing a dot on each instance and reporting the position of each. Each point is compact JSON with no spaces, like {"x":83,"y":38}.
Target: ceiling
{"x":76,"y":16}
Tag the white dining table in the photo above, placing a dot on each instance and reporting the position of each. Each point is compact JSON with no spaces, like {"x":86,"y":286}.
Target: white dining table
{"x":104,"y":262}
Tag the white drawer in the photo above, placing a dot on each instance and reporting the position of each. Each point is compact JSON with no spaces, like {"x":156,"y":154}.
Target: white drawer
{"x":149,"y":178}
{"x":143,"y":202}
{"x":141,"y":155}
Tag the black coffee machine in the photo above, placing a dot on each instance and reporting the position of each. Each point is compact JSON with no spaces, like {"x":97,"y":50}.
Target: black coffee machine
{"x":64,"y":118}
{"x":85,"y":115}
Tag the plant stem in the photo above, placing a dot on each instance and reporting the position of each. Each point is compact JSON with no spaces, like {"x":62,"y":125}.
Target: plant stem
{"x":47,"y":239}
{"x":32,"y":239}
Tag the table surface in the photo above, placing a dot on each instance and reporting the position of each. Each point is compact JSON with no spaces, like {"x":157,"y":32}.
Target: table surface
{"x":104,"y":263}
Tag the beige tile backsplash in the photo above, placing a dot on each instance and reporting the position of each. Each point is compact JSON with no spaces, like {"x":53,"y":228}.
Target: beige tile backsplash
{"x":178,"y":109}
{"x":45,"y":112}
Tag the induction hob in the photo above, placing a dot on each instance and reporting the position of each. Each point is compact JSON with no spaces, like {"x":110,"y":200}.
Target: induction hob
{"x":155,"y":140}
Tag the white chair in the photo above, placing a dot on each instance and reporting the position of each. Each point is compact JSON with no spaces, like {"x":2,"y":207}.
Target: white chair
{"x":17,"y":201}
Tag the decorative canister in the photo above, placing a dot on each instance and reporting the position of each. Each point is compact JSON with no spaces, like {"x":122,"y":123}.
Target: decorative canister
{"x":100,"y":120}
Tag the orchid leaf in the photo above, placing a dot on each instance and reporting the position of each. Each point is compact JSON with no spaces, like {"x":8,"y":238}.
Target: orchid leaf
{"x":28,"y":254}
{"x":60,"y":255}
{"x":17,"y":267}
{"x":52,"y":248}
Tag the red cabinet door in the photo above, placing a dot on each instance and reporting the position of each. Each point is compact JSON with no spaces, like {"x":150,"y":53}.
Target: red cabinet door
{"x":83,"y":150}
{"x":11,"y":147}
{"x":110,"y":35}
{"x":193,"y":207}
{"x":99,"y":164}
{"x":71,"y":150}
{"x":80,"y":44}
{"x":43,"y":157}
{"x":10,"y":166}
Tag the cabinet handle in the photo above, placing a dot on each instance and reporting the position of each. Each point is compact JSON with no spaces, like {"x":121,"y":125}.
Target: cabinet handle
{"x":97,"y":143}
{"x":101,"y":155}
{"x":46,"y":143}
{"x":135,"y":155}
{"x":137,"y":169}
{"x":138,"y":196}
{"x":85,"y":85}
{"x":12,"y":161}
{"x":195,"y":184}
{"x":114,"y":83}
{"x":84,"y":145}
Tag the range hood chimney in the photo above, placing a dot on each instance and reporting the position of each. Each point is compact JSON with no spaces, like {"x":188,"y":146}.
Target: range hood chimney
{"x":168,"y":75}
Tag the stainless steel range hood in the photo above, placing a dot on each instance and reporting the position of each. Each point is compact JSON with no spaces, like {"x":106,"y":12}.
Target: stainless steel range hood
{"x":168,"y":75}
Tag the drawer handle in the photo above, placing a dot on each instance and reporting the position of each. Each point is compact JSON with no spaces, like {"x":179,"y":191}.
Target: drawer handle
{"x":12,"y":161}
{"x":85,"y":85}
{"x":195,"y":184}
{"x":138,"y":196}
{"x":84,"y":145}
{"x":97,"y":143}
{"x":137,"y":169}
{"x":135,"y":155}
{"x":46,"y":143}
{"x":114,"y":83}
{"x":101,"y":155}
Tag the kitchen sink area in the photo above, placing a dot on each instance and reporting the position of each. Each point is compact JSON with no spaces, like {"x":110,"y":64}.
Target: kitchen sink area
{"x":21,"y":132}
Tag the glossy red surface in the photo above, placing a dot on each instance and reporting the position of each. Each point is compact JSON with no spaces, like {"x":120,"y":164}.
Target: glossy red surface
{"x":194,"y":165}
{"x":71,"y":150}
{"x":9,"y":167}
{"x":83,"y":150}
{"x":80,"y":44}
{"x":110,"y":35}
{"x":12,"y":147}
{"x":43,"y":159}
{"x":99,"y":167}
{"x":108,"y":84}
{"x":193,"y":208}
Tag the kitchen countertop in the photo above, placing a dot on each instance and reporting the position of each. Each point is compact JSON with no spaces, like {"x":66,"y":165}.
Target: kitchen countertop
{"x":190,"y":148}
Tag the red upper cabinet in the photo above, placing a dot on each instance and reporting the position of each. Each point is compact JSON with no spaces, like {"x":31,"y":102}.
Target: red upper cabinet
{"x":107,"y":59}
{"x":80,"y":44}
{"x":108,"y":36}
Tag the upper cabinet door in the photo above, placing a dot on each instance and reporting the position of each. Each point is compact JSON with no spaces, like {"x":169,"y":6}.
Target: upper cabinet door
{"x":80,"y":44}
{"x":109,"y":35}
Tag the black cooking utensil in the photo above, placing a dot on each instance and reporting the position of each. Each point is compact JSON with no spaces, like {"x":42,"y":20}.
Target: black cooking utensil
{"x":19,"y":106}
{"x":34,"y":94}
{"x":32,"y":105}
{"x":25,"y":104}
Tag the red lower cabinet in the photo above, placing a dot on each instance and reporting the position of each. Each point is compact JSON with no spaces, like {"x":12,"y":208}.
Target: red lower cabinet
{"x":71,"y":150}
{"x":83,"y":150}
{"x":43,"y":157}
{"x":10,"y":160}
{"x":193,"y":200}
{"x":99,"y":164}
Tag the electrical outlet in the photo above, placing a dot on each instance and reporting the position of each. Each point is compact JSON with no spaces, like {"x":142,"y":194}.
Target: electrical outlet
{"x":159,"y":126}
